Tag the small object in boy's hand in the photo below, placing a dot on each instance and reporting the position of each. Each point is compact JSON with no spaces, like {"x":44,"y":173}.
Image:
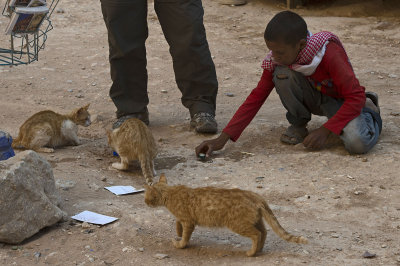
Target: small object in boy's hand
{"x":202,"y":156}
{"x":115,"y":153}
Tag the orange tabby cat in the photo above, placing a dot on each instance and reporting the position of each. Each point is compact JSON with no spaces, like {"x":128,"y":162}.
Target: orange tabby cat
{"x":239,"y":210}
{"x":133,"y":141}
{"x":47,"y":129}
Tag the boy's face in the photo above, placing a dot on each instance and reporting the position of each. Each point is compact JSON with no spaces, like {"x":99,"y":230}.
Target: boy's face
{"x":283,"y":53}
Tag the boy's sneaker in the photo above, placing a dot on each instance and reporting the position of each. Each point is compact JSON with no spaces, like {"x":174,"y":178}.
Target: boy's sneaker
{"x":204,"y":123}
{"x":372,"y":101}
{"x":144,"y":116}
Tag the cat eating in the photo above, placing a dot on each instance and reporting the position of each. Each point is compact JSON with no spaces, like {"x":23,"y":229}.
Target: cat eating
{"x":133,"y":141}
{"x":46,"y":130}
{"x":239,"y":210}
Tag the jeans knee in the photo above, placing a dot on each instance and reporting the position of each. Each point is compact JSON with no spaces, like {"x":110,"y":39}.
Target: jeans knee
{"x":356,"y":145}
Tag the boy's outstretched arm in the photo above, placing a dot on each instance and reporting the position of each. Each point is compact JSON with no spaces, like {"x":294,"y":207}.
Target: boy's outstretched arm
{"x":208,"y":146}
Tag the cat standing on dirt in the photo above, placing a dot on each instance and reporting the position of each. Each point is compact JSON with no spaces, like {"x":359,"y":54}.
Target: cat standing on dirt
{"x":46,"y":130}
{"x":133,"y":141}
{"x":239,"y":210}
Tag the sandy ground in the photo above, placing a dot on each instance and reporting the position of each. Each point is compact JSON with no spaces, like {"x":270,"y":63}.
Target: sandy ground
{"x":344,"y":204}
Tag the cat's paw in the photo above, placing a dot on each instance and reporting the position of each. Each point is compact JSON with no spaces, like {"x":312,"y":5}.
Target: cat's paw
{"x":250,"y":253}
{"x":119,"y":166}
{"x":178,"y":244}
{"x":46,"y":150}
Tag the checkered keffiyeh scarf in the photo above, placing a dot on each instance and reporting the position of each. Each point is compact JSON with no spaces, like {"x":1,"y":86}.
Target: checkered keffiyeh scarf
{"x":315,"y":43}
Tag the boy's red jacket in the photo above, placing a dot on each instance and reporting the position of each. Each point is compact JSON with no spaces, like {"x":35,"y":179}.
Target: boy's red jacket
{"x":334,"y":76}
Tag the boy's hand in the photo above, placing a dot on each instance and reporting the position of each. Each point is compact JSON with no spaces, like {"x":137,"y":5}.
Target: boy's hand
{"x":208,"y":146}
{"x":317,"y":138}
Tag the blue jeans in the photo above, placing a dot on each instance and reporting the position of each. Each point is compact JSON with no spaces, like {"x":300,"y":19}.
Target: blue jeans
{"x":301,"y":100}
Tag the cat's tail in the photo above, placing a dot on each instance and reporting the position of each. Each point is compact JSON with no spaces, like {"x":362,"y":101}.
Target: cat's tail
{"x":278,"y":229}
{"x":147,"y":166}
{"x":17,"y":143}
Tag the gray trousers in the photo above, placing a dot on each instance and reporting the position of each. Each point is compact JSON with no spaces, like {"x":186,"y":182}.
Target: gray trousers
{"x":301,"y":100}
{"x":182,"y":25}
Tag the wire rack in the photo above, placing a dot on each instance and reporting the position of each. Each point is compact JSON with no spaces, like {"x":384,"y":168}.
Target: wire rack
{"x":25,"y":47}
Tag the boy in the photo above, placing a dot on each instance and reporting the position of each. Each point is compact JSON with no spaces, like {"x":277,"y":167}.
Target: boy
{"x":312,"y":75}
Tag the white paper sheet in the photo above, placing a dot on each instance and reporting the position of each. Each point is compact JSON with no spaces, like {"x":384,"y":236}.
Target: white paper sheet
{"x":122,"y":190}
{"x":93,"y":218}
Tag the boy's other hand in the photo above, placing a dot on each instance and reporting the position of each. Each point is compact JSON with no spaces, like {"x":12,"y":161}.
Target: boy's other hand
{"x":317,"y":138}
{"x":208,"y":146}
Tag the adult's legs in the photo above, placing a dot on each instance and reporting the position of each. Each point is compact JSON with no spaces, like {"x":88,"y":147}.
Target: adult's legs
{"x":126,"y":23}
{"x":182,"y":24}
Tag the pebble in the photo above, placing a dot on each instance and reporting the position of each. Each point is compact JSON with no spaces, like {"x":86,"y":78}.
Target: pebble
{"x":334,"y":235}
{"x":357,"y":192}
{"x":85,"y":225}
{"x":164,"y":91}
{"x":229,"y":94}
{"x":69,"y":81}
{"x":79,"y":96}
{"x":364,"y":160}
{"x":238,"y":245}
{"x":259,"y":178}
{"x":392,"y":76}
{"x":368,"y":255}
{"x":141,"y":249}
{"x":104,"y":179}
{"x":161,"y":256}
{"x":87,"y":247}
{"x":70,"y":90}
{"x":37,"y":255}
{"x":60,"y":11}
{"x":384,"y":246}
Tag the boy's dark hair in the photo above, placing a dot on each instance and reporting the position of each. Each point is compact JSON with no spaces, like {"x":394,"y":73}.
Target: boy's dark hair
{"x":286,"y":26}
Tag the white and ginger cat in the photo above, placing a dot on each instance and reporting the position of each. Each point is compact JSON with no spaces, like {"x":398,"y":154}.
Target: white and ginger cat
{"x":239,"y":210}
{"x":47,"y":130}
{"x":133,"y":141}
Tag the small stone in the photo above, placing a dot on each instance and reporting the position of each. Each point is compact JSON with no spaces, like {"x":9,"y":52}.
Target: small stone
{"x":37,"y":255}
{"x":206,"y":178}
{"x":229,"y":94}
{"x":79,"y":96}
{"x":85,"y":225}
{"x":339,"y":249}
{"x":125,"y":249}
{"x":381,"y":187}
{"x":14,"y":247}
{"x":380,"y":77}
{"x":357,"y":192}
{"x":93,"y":64}
{"x":259,"y":178}
{"x":94,"y":84}
{"x":238,"y":245}
{"x":109,"y":203}
{"x":70,"y":90}
{"x":202,"y":156}
{"x":334,"y":235}
{"x":259,"y":186}
{"x":164,"y":91}
{"x":104,"y":179}
{"x":60,"y":11}
{"x":392,"y":76}
{"x":395,"y":113}
{"x":368,"y":255}
{"x":364,"y":160}
{"x":87,"y":247}
{"x":161,"y":256}
{"x":69,"y":81}
{"x":384,"y":246}
{"x":91,"y":259}
{"x":336,"y":197}
{"x":141,"y":249}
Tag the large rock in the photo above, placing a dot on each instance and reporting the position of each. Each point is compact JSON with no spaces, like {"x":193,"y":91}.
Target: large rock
{"x":28,"y":197}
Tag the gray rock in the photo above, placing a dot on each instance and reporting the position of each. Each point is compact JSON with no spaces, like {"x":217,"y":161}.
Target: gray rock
{"x":28,"y":196}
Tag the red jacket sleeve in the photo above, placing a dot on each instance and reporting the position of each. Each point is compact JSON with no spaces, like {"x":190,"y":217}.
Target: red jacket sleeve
{"x":249,"y":108}
{"x":347,"y":86}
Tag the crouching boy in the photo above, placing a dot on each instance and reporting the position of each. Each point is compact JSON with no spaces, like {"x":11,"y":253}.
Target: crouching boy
{"x":312,"y":75}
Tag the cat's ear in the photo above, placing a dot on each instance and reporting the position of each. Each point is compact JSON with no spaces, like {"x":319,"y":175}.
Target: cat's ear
{"x":163,"y":179}
{"x":86,"y":106}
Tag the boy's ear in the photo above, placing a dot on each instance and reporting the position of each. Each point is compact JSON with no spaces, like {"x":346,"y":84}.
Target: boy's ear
{"x":163,"y":179}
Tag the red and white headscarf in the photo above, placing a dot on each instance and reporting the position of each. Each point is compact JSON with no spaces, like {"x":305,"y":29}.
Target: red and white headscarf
{"x":310,"y":56}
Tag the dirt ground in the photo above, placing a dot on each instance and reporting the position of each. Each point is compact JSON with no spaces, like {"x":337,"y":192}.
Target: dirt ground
{"x":345,"y":205}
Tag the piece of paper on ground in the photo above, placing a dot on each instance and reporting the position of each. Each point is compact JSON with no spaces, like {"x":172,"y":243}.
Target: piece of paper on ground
{"x":121,"y":190}
{"x":94,"y":218}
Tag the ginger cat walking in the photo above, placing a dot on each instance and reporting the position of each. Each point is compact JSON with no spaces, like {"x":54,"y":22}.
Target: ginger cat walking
{"x":133,"y":141}
{"x":239,"y":210}
{"x":47,"y":130}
